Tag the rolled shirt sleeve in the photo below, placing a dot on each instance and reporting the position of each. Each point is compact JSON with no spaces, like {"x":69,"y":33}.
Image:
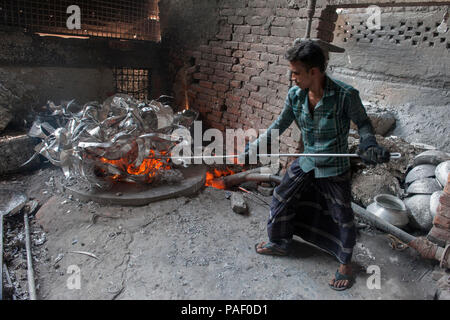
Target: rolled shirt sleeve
{"x":357,"y":113}
{"x":283,"y":121}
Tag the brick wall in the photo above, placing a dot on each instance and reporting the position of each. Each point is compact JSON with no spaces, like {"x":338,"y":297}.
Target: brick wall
{"x":238,"y":78}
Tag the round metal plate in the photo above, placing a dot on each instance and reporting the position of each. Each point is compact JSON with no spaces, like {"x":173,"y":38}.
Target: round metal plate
{"x":131,"y":194}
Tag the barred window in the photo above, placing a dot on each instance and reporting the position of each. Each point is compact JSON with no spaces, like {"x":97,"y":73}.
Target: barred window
{"x":135,"y":82}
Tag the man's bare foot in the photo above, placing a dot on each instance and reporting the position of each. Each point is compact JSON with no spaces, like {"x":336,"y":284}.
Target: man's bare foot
{"x":346,"y":270}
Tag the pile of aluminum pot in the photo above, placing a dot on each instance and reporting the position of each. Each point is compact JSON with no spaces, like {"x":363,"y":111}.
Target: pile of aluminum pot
{"x":424,"y":185}
{"x":119,"y":128}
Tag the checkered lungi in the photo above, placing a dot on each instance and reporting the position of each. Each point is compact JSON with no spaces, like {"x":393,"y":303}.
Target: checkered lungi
{"x":317,"y":210}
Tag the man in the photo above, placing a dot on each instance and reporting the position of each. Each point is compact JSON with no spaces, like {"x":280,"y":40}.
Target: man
{"x":314,"y":197}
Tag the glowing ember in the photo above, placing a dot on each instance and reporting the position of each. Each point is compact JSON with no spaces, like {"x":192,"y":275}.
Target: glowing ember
{"x":149,"y":166}
{"x":212,"y":181}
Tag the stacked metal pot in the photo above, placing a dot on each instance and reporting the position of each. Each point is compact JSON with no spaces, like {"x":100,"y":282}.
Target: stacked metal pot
{"x":424,"y":186}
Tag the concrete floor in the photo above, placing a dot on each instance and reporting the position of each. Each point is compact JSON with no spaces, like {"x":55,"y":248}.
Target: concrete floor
{"x":198,"y":248}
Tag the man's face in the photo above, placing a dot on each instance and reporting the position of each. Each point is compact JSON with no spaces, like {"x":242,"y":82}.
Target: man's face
{"x":300,"y":76}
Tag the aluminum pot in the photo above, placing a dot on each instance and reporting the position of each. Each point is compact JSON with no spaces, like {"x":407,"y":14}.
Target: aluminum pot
{"x":424,"y":186}
{"x":442,"y":171}
{"x":431,"y":157}
{"x":434,"y":202}
{"x":419,"y":209}
{"x":389,"y":208}
{"x":419,"y":172}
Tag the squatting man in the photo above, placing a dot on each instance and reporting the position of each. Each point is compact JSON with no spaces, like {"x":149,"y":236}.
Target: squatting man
{"x":313,"y":200}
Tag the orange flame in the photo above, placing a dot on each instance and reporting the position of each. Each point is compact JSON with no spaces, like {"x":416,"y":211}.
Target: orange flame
{"x":212,"y":181}
{"x":150,"y":166}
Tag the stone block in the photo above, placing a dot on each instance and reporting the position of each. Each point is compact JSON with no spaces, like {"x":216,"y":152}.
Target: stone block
{"x":238,"y":203}
{"x":16,"y":150}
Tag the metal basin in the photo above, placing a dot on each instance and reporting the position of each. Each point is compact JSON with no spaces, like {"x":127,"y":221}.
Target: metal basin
{"x":434,"y":202}
{"x":390,"y":209}
{"x":424,"y":186}
{"x":419,"y":172}
{"x":431,"y":157}
{"x":441,"y":172}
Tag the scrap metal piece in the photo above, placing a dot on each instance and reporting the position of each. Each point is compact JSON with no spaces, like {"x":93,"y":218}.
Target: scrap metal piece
{"x":101,"y":141}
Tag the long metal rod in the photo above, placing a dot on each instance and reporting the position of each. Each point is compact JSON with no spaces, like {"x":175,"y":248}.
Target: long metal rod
{"x":339,"y":155}
{"x":30,"y":272}
{"x":8,"y":279}
{"x":1,"y":259}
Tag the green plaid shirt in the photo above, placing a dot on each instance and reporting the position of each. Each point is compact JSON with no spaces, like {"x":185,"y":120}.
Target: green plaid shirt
{"x":327,"y":131}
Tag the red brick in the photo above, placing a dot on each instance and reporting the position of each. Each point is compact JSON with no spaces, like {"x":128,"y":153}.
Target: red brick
{"x":220,"y":87}
{"x":224,"y":74}
{"x":206,"y":84}
{"x":241,"y":77}
{"x":237,"y":68}
{"x":200,"y":76}
{"x":259,"y":81}
{"x":251,"y":71}
{"x":224,"y":36}
{"x":281,"y":22}
{"x":236,"y":20}
{"x":224,"y":66}
{"x":250,"y":87}
{"x":244,"y":46}
{"x":258,"y":97}
{"x":204,"y":49}
{"x":241,"y":92}
{"x":218,"y":51}
{"x":254,"y":103}
{"x":236,"y":84}
{"x":231,"y":45}
{"x":220,"y":80}
{"x":207,"y":70}
{"x":279,"y":31}
{"x":206,"y":91}
{"x":276,"y":49}
{"x":260,"y":31}
{"x":270,"y":76}
{"x":278,"y":69}
{"x":242,"y":11}
{"x":242,"y":29}
{"x":225,"y":59}
{"x":269,"y":57}
{"x":201,"y":62}
{"x":252,"y":38}
{"x":258,"y":47}
{"x":238,"y":54}
{"x":247,"y":109}
{"x":255,"y":20}
{"x":252,"y":55}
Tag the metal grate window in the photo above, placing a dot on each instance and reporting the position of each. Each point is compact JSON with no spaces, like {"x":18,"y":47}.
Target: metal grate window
{"x":135,"y":82}
{"x":124,"y":19}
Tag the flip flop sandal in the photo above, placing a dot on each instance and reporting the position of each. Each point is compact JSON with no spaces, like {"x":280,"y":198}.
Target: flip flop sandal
{"x":271,"y":249}
{"x":339,"y":276}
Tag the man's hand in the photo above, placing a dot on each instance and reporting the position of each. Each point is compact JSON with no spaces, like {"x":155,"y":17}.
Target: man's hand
{"x":374,"y":155}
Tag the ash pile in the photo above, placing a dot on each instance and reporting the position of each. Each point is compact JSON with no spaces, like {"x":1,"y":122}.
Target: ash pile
{"x":120,"y":140}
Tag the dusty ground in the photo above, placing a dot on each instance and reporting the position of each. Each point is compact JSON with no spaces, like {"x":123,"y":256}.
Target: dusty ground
{"x":188,"y":248}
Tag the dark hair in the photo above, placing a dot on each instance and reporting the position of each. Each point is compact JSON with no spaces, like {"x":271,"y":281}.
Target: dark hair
{"x":308,"y":53}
